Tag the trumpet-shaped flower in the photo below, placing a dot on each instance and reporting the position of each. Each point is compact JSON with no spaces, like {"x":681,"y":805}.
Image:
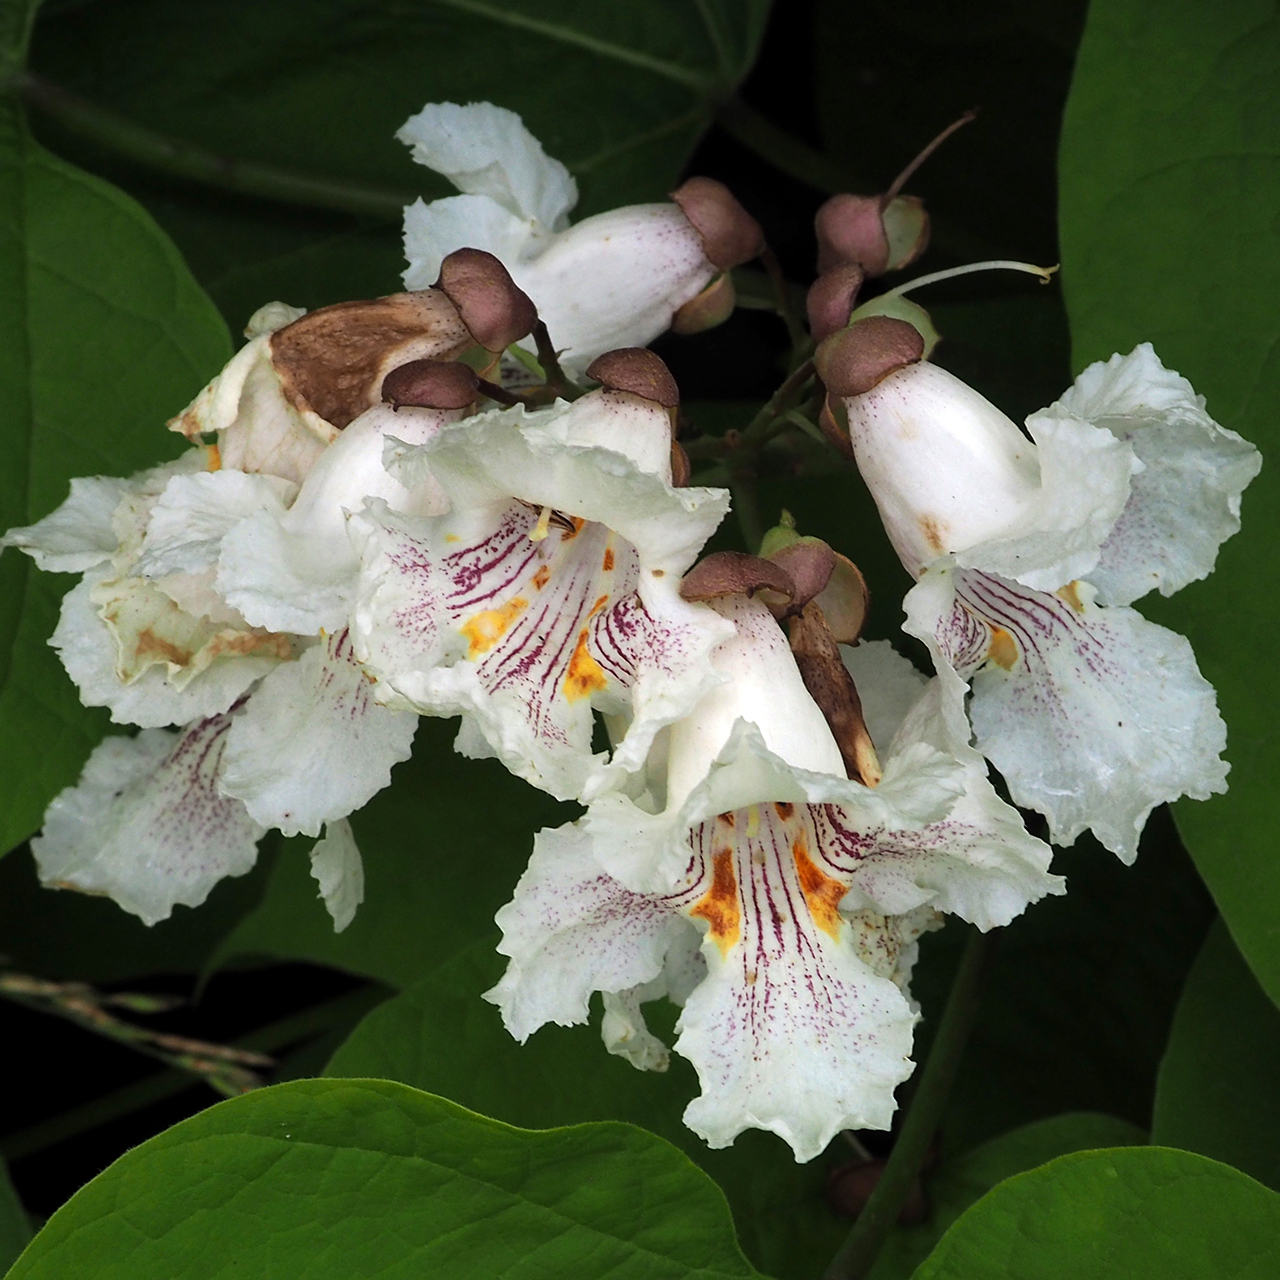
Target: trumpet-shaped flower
{"x":1027,"y":553}
{"x":802,"y":892}
{"x":613,"y":280}
{"x":548,"y":590}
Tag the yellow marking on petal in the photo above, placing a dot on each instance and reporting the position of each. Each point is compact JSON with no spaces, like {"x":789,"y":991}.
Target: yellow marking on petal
{"x":483,"y":630}
{"x":452,"y":537}
{"x":1004,"y":649}
{"x":821,"y":891}
{"x":608,"y":559}
{"x":214,"y":461}
{"x":753,"y":821}
{"x":541,"y":578}
{"x":543,"y":527}
{"x":1071,"y":596}
{"x":585,"y":675}
{"x":600,"y":603}
{"x":719,"y":905}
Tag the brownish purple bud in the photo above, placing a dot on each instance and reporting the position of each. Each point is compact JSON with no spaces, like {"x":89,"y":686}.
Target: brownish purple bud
{"x":681,"y":469}
{"x":808,"y":563}
{"x":855,"y":359}
{"x":332,"y":361}
{"x":734,"y":573}
{"x":851,"y":229}
{"x":495,"y":311}
{"x":713,"y":306}
{"x":832,"y":297}
{"x":431,"y":384}
{"x":730,"y":235}
{"x":639,"y":371}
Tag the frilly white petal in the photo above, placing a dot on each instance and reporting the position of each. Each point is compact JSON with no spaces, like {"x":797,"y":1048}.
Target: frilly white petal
{"x":1186,"y":502}
{"x":888,"y":686}
{"x":150,"y":698}
{"x":312,"y":745}
{"x":295,"y":570}
{"x":146,"y":824}
{"x":623,"y":1028}
{"x":1093,"y":715}
{"x":339,"y":871}
{"x":614,"y":280}
{"x":78,"y":534}
{"x":485,"y":150}
{"x":571,"y":930}
{"x":195,"y":512}
{"x":433,"y":231}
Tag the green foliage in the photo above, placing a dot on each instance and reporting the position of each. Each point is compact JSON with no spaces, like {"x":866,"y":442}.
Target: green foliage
{"x":106,"y":336}
{"x":619,"y":92}
{"x":336,"y":1178}
{"x":442,"y":1037}
{"x":958,"y":1183}
{"x":1217,"y":1088}
{"x":444,"y":846}
{"x":15,"y":1230}
{"x":1170,"y":178}
{"x":1141,"y":1212}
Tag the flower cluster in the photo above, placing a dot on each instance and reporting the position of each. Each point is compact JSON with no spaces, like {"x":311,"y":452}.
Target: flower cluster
{"x":467,"y":500}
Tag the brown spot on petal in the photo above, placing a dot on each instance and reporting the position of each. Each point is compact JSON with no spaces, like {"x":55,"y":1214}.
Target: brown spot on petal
{"x":821,"y":891}
{"x":150,"y":645}
{"x":541,"y":578}
{"x":483,"y":630}
{"x":1004,"y":649}
{"x":932,"y":532}
{"x":784,"y":809}
{"x":585,"y":675}
{"x":607,"y":563}
{"x":726,"y":818}
{"x":719,"y":905}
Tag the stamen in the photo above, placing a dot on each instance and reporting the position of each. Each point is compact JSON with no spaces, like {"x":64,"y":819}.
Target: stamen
{"x":997,"y":264}
{"x":540,"y":530}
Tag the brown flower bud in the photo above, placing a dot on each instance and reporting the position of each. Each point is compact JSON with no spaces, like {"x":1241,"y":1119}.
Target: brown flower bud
{"x":730,"y":235}
{"x":831,"y":299}
{"x":639,"y":371}
{"x":431,"y":384}
{"x":855,"y":359}
{"x":808,"y":562}
{"x":851,"y":229}
{"x":494,"y":310}
{"x":734,"y":573}
{"x":713,"y":306}
{"x":332,"y":361}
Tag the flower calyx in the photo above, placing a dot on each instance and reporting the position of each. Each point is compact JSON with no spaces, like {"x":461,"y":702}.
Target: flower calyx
{"x":853,"y":360}
{"x":431,"y":384}
{"x":636,"y":371}
{"x":832,"y":298}
{"x":735,"y":573}
{"x":730,"y":235}
{"x":494,"y":309}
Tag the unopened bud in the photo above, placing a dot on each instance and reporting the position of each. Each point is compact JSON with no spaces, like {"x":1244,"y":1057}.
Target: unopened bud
{"x":831,"y":299}
{"x":638,"y":371}
{"x":808,"y":562}
{"x":734,"y":573}
{"x":431,"y":384}
{"x":495,"y":311}
{"x":851,"y":229}
{"x":730,"y":235}
{"x":855,"y":359}
{"x":713,"y":306}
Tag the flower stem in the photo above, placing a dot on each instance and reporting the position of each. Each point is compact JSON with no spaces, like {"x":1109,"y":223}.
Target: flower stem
{"x":186,"y":160}
{"x":860,"y":1250}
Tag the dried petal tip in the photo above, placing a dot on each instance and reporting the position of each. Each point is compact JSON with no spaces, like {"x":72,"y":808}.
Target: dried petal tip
{"x":832,"y":297}
{"x":494,"y":310}
{"x":431,"y":384}
{"x":639,"y":371}
{"x":730,"y":235}
{"x":734,"y":573}
{"x":854,"y":360}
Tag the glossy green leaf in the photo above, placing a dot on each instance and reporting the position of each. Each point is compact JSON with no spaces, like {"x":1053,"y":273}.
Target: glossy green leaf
{"x":441,"y":1036}
{"x":1170,"y":175}
{"x":958,"y":1183}
{"x":443,"y":847}
{"x":15,"y":1229}
{"x":1144,"y":1213}
{"x":1216,"y":1092}
{"x":106,"y":336}
{"x":332,"y":1179}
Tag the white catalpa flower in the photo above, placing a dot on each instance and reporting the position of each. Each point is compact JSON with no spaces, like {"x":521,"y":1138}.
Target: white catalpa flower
{"x":617,"y":279}
{"x":1027,"y":553}
{"x":550,"y":588}
{"x":802,"y":892}
{"x":150,"y":826}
